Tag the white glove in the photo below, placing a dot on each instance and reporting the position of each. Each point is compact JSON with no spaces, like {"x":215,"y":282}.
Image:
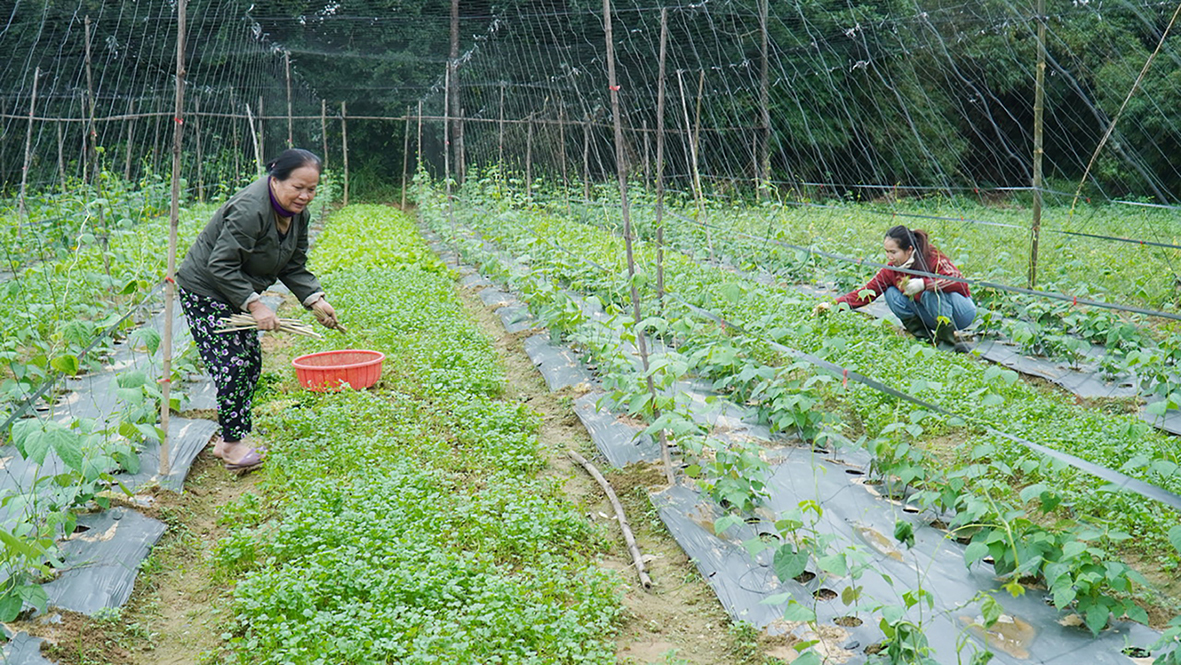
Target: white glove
{"x":913,"y":286}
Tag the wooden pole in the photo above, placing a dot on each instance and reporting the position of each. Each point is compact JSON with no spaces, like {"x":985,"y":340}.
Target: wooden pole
{"x":24,"y":212}
{"x":621,"y":173}
{"x":130,"y":139}
{"x":763,"y":154}
{"x":456,"y":108}
{"x":287,"y":69}
{"x":1039,"y":107}
{"x":91,"y":166}
{"x":324,"y":132}
{"x":200,"y":155}
{"x":405,"y":154}
{"x":660,"y":158}
{"x":173,"y":222}
{"x":344,"y":148}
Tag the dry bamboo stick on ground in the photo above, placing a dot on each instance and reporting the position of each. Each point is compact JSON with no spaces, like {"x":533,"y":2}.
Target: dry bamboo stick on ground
{"x":623,"y":525}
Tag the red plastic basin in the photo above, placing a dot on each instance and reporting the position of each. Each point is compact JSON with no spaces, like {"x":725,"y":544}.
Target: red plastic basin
{"x":329,"y":370}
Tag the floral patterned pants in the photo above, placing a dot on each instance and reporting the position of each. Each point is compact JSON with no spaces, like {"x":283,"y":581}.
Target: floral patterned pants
{"x":234,"y":360}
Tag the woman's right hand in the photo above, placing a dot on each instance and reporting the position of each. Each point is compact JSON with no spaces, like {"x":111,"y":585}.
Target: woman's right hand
{"x":821,"y":308}
{"x":263,"y":316}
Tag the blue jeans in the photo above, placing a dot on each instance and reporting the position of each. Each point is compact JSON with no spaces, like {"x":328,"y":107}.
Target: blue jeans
{"x":933,"y":305}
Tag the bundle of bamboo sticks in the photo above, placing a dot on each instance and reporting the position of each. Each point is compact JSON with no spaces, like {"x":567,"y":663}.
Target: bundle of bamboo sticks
{"x":246,"y":322}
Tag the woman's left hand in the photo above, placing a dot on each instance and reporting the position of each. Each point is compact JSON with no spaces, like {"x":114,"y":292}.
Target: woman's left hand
{"x":324,"y":313}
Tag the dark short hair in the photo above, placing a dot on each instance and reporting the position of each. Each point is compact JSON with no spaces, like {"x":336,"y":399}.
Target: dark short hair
{"x":280,"y":168}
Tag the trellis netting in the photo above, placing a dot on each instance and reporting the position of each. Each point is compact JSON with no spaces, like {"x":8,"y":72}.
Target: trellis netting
{"x":818,"y":124}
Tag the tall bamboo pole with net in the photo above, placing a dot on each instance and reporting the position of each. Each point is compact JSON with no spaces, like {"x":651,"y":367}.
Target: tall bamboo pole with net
{"x":173,"y":223}
{"x":621,"y":173}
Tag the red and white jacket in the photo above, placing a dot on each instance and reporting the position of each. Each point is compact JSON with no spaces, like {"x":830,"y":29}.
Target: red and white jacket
{"x":888,"y":277}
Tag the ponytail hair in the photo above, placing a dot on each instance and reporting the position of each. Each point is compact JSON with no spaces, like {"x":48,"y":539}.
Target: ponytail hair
{"x":926,"y":256}
{"x":280,"y":168}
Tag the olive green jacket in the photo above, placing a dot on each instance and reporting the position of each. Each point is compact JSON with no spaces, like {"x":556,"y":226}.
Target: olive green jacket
{"x":239,"y":254}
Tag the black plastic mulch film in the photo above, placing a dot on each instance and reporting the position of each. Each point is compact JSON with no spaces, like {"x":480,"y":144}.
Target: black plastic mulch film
{"x":1029,"y":631}
{"x":103,"y":554}
{"x":1116,"y":478}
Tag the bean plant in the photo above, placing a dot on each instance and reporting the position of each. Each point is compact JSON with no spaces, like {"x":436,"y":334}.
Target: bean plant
{"x":995,"y":487}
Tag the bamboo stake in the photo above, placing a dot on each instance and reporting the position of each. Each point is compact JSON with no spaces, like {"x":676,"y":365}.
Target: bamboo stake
{"x":418,"y":155}
{"x":621,"y":173}
{"x":4,"y":162}
{"x":28,"y":147}
{"x":344,"y":148}
{"x":763,"y":155}
{"x":529,"y":161}
{"x":500,"y":138}
{"x":324,"y":132}
{"x":130,"y":139}
{"x":586,"y":160}
{"x":1039,"y":107}
{"x":256,"y":138}
{"x":61,"y":158}
{"x":287,"y":69}
{"x":405,"y":154}
{"x":200,"y":155}
{"x":660,"y":159}
{"x":173,"y":223}
{"x":447,"y":145}
{"x":647,"y":151}
{"x":237,"y":144}
{"x":262,"y":135}
{"x":91,"y":135}
{"x":156,"y":137}
{"x":698,"y":195}
{"x":620,"y":517}
{"x":562,"y":156}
